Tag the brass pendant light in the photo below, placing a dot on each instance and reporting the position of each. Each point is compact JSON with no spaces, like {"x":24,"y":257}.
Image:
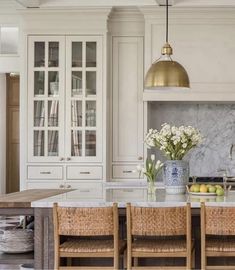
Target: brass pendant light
{"x":165,"y":73}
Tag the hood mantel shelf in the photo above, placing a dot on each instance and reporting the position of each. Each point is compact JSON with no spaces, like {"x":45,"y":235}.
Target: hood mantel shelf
{"x":191,"y":95}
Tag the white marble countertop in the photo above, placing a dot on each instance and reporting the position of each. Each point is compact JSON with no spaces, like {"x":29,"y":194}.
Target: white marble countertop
{"x":130,"y":184}
{"x":160,"y":199}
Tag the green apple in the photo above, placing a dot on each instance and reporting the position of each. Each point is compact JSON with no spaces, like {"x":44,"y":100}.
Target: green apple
{"x":218,"y":186}
{"x":212,"y":189}
{"x":197,"y":188}
{"x":203,"y":188}
{"x":220,"y":191}
{"x":192,"y":188}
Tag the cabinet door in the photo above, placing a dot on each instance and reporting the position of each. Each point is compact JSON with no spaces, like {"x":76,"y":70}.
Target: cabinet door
{"x":46,"y":98}
{"x":127,"y":99}
{"x":84,"y":99}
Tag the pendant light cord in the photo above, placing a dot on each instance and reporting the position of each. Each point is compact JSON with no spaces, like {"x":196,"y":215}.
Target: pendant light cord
{"x":167,"y":21}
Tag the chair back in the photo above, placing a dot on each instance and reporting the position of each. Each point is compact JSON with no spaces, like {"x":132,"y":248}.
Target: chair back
{"x":85,"y":221}
{"x":158,"y":221}
{"x":218,"y":220}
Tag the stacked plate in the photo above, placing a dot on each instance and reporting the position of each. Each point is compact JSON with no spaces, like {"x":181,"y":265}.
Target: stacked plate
{"x":16,"y":240}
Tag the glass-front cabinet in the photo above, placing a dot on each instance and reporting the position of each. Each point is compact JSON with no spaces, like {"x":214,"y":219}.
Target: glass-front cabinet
{"x":65,"y":98}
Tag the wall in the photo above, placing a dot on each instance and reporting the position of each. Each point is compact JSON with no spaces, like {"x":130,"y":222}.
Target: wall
{"x":217,"y":124}
{"x":2,"y":133}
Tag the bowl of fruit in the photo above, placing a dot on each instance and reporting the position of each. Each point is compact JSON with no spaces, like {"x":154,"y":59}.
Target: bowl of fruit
{"x":205,"y":190}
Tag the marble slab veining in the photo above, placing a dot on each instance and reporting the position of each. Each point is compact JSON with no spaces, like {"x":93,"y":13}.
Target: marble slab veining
{"x":161,"y":199}
{"x":217,"y":124}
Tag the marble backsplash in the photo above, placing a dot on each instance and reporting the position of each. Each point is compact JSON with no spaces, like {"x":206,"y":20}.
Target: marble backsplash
{"x":217,"y":124}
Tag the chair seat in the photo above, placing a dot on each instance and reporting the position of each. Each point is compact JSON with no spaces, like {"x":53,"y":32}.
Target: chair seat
{"x":220,"y":244}
{"x":90,"y":245}
{"x":159,"y":245}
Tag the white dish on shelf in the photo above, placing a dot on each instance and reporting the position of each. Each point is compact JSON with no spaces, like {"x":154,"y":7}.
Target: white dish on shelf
{"x":202,"y":193}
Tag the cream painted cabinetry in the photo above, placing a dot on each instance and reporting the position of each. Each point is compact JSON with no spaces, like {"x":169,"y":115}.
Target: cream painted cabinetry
{"x":65,"y":112}
{"x":65,"y":99}
{"x":127,"y":106}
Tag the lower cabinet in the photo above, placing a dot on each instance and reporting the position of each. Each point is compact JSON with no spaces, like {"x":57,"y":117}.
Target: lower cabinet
{"x":126,"y":172}
{"x":86,"y":180}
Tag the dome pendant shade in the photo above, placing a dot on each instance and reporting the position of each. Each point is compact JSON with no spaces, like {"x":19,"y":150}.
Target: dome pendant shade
{"x":166,"y":73}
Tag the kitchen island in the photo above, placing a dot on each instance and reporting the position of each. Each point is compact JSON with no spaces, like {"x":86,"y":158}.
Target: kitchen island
{"x":39,"y":203}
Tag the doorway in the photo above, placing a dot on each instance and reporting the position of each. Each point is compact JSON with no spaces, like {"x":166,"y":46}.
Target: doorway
{"x":12,"y":133}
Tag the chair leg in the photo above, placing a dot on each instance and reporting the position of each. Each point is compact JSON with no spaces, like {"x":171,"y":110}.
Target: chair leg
{"x":129,"y":261}
{"x":193,"y":259}
{"x":135,"y":261}
{"x":116,"y":262}
{"x":125,"y":259}
{"x":203,"y":261}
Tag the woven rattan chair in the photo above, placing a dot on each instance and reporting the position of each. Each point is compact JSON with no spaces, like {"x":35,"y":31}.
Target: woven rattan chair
{"x":158,"y":232}
{"x":217,"y":234}
{"x":84,"y":225}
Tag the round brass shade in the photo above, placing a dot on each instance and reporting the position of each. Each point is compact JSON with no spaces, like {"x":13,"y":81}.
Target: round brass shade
{"x":166,"y":74}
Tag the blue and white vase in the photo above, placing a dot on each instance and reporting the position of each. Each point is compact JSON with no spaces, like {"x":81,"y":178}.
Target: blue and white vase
{"x":175,"y":176}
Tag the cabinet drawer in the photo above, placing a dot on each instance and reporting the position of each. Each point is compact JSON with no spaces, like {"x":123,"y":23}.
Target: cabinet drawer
{"x":125,"y":172}
{"x":85,"y":190}
{"x":128,"y":194}
{"x":84,"y":173}
{"x":43,"y":184}
{"x":45,"y":172}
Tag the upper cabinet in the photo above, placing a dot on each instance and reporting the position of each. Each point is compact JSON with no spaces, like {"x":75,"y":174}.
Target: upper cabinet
{"x":65,"y":96}
{"x":127,"y":102}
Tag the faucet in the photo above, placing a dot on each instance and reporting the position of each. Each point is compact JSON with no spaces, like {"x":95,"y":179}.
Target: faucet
{"x":231,"y":152}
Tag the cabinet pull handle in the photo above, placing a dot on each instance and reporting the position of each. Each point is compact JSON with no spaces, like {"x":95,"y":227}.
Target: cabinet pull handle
{"x":68,"y":158}
{"x":68,"y":186}
{"x":140,"y":158}
{"x":84,"y":190}
{"x":61,"y":159}
{"x":45,"y":172}
{"x":127,"y":171}
{"x":127,"y":190}
{"x":61,"y":186}
{"x":85,"y":172}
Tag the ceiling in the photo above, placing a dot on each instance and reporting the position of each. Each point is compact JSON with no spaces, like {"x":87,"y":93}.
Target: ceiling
{"x":54,"y":4}
{"x":62,"y":4}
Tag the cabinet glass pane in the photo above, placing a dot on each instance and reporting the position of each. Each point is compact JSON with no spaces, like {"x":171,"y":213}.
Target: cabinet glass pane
{"x":76,"y":83}
{"x":76,"y":113}
{"x":91,"y":54}
{"x":38,"y":148}
{"x":91,"y":113}
{"x":76,"y":54}
{"x":53,"y":113}
{"x":90,"y":83}
{"x":39,"y":54}
{"x":53,"y":145}
{"x":39,"y":113}
{"x":76,"y":139}
{"x":53,"y":54}
{"x":53,"y":83}
{"x":90,"y":149}
{"x":39,"y":78}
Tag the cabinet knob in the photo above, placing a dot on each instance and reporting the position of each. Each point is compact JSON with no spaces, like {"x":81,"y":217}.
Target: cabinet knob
{"x":68,"y":186}
{"x":68,"y":158}
{"x":61,"y":159}
{"x":61,"y":186}
{"x":140,"y":158}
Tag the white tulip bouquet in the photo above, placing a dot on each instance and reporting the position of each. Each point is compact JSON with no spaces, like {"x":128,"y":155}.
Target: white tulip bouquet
{"x":174,"y":142}
{"x":151,"y":169}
